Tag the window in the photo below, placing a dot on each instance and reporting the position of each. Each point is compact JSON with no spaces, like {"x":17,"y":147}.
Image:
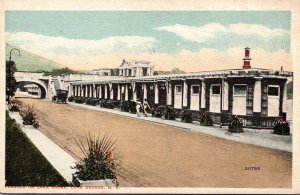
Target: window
{"x":240,"y":90}
{"x":178,"y":89}
{"x":195,"y":89}
{"x":273,"y":90}
{"x":215,"y":89}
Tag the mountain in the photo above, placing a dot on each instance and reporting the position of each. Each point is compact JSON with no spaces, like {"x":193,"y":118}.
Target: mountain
{"x":31,"y":62}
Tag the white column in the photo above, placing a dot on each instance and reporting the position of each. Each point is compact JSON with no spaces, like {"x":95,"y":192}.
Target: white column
{"x":100,"y":91}
{"x":203,"y":94}
{"x":111,"y":92}
{"x":225,"y":93}
{"x":156,"y":93}
{"x":126,"y":92}
{"x":91,"y":90}
{"x":257,"y":95}
{"x":119,"y":92}
{"x":145,"y":91}
{"x":133,"y":91}
{"x":185,"y":92}
{"x":169,"y":93}
{"x":105,"y":91}
{"x":86,"y":90}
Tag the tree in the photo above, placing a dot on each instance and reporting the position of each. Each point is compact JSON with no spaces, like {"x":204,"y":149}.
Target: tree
{"x":66,"y":70}
{"x":177,"y":71}
{"x":11,"y":83}
{"x":61,"y":71}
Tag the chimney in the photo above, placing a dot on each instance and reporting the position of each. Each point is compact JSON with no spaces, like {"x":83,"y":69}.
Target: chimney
{"x":247,"y":58}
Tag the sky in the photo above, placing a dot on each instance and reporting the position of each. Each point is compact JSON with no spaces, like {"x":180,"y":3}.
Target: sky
{"x":189,"y":40}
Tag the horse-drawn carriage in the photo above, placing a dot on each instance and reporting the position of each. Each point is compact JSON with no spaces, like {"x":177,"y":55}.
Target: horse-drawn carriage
{"x":61,"y":96}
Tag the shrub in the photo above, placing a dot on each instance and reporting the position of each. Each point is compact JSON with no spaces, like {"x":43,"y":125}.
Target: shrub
{"x":92,"y":101}
{"x":169,"y":113}
{"x":98,"y":161}
{"x":235,"y":125}
{"x":158,"y":112}
{"x":106,"y":104}
{"x":128,"y":106}
{"x":29,"y":116}
{"x":205,"y":119}
{"x":71,"y":99}
{"x":79,"y":100}
{"x":186,"y":116}
{"x":24,"y":163}
{"x":281,"y":127}
{"x":15,"y":105}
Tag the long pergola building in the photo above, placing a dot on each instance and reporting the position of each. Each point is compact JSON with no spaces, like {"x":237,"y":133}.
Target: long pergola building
{"x":258,"y":96}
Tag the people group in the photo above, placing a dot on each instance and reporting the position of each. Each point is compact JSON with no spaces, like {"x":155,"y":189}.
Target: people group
{"x":144,"y":106}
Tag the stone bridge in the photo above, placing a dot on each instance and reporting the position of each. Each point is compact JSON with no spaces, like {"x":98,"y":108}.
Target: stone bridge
{"x":49,"y":84}
{"x":43,"y":82}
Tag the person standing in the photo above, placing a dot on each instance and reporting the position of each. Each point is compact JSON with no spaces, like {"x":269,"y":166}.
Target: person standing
{"x":145,"y":106}
{"x":137,"y":107}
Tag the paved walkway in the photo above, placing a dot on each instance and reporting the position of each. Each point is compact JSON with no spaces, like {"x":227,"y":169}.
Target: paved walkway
{"x":57,"y":157}
{"x":262,"y":137}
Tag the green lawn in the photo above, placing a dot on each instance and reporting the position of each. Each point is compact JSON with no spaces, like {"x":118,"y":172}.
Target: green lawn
{"x":24,"y":164}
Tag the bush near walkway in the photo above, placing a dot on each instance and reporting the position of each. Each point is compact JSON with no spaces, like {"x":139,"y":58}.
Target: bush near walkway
{"x":205,"y":119}
{"x":24,"y":164}
{"x":71,"y":99}
{"x":92,"y":101}
{"x":169,"y":113}
{"x":99,"y":161}
{"x":235,"y":125}
{"x":186,"y":116}
{"x":281,"y":127}
{"x":79,"y":100}
{"x":106,"y":104}
{"x":129,"y":106}
{"x":29,"y":116}
{"x":15,"y":105}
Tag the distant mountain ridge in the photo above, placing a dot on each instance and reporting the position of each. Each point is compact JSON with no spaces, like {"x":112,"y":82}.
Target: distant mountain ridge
{"x":31,"y":62}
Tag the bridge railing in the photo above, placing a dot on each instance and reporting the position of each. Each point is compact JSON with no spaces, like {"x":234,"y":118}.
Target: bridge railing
{"x":30,"y":75}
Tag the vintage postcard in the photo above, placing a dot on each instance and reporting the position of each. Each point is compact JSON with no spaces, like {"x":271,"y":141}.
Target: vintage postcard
{"x":150,"y":97}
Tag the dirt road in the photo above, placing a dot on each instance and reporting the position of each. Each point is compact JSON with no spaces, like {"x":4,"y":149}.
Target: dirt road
{"x":154,"y":155}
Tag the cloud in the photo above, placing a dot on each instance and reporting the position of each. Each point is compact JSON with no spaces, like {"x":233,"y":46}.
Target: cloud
{"x":212,"y":30}
{"x":109,"y":52}
{"x":38,"y":44}
{"x":213,"y":59}
{"x":203,"y":60}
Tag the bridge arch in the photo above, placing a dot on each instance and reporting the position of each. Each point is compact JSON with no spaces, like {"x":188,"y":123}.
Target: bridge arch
{"x":39,"y":83}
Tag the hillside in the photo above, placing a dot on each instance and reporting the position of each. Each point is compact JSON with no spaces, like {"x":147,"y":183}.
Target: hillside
{"x":31,"y":62}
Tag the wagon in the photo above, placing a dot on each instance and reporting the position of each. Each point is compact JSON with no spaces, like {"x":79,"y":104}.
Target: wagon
{"x":61,"y":96}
